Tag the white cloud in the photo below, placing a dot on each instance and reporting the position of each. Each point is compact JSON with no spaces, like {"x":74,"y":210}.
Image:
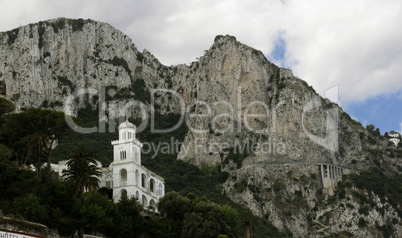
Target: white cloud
{"x":355,"y":44}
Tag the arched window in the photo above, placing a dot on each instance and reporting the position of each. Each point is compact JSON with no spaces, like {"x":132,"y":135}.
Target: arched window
{"x":152,"y":204}
{"x":143,"y":180}
{"x":123,"y":177}
{"x":152,"y":185}
{"x":160,"y":189}
{"x":109,"y":181}
{"x":123,"y":193}
{"x":144,"y":201}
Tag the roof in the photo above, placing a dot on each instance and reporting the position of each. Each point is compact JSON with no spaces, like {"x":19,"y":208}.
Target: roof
{"x":127,"y":124}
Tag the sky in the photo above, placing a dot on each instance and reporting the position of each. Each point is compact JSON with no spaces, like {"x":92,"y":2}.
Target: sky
{"x":355,"y":45}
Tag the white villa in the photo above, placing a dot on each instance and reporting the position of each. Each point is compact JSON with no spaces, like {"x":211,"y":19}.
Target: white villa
{"x":395,"y":137}
{"x":125,"y":175}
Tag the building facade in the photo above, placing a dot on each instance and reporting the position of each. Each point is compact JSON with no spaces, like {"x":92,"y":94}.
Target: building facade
{"x":125,"y":175}
{"x":394,"y":137}
{"x":129,"y":177}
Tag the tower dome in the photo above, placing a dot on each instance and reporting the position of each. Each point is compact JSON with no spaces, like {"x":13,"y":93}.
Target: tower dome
{"x":127,"y":130}
{"x":127,"y":124}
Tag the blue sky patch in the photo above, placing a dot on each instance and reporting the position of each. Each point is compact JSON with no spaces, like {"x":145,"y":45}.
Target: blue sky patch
{"x":383,"y":111}
{"x":279,"y":51}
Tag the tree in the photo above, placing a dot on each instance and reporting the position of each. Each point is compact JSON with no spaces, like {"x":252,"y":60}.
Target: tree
{"x":127,"y":218}
{"x":29,"y":206}
{"x":38,"y":146}
{"x":5,"y":153}
{"x":174,"y":206}
{"x":386,"y":135}
{"x":192,"y":216}
{"x":205,"y":220}
{"x":246,"y":218}
{"x":5,"y":107}
{"x":82,"y":171}
{"x":95,"y":212}
{"x":231,"y":218}
{"x":375,"y":132}
{"x":31,"y":134}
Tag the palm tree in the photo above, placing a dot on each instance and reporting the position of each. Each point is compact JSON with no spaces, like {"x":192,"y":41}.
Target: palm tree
{"x":36,"y":144}
{"x":246,"y":218}
{"x":82,"y":171}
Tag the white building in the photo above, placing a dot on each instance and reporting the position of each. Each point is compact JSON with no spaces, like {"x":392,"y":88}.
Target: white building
{"x":395,"y":141}
{"x":125,"y":175}
{"x":394,"y":137}
{"x":130,"y":178}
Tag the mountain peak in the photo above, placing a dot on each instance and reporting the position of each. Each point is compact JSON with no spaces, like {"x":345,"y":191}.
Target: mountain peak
{"x":220,"y":38}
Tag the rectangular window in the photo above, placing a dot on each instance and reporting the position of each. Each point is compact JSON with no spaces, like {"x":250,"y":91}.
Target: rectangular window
{"x":123,"y":155}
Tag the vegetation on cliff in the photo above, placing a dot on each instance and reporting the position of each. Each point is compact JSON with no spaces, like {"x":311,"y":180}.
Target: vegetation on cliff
{"x":56,"y":203}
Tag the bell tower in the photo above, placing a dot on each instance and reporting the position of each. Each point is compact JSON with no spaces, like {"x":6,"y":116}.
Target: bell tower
{"x":126,"y":160}
{"x":130,"y":178}
{"x":127,"y":148}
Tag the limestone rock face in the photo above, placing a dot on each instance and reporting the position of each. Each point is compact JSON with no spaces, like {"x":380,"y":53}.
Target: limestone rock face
{"x":289,"y":195}
{"x":247,"y":115}
{"x":43,"y":64}
{"x":47,"y":62}
{"x":246,"y":102}
{"x":233,"y":82}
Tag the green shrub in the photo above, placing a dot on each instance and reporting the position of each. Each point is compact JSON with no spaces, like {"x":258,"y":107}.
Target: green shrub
{"x":12,"y":35}
{"x":77,"y":24}
{"x":116,"y":61}
{"x":41,"y":32}
{"x":55,"y":104}
{"x":362,"y":223}
{"x":30,"y":208}
{"x":342,"y":193}
{"x":371,"y":140}
{"x":15,"y":97}
{"x":277,"y":185}
{"x":350,"y":206}
{"x":58,"y":25}
{"x":364,"y":211}
{"x":386,"y":229}
{"x":140,"y":56}
{"x":45,"y":103}
{"x":385,"y":186}
{"x":46,"y":54}
{"x":327,"y":216}
{"x":236,"y":155}
{"x":281,"y":85}
{"x":63,"y":80}
{"x":376,"y":162}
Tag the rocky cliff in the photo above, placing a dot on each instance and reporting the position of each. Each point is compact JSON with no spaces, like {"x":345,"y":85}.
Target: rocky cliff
{"x":43,"y":63}
{"x":244,"y":113}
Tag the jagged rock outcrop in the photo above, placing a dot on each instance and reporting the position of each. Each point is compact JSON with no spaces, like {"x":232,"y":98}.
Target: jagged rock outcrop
{"x":42,"y":64}
{"x":291,"y":197}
